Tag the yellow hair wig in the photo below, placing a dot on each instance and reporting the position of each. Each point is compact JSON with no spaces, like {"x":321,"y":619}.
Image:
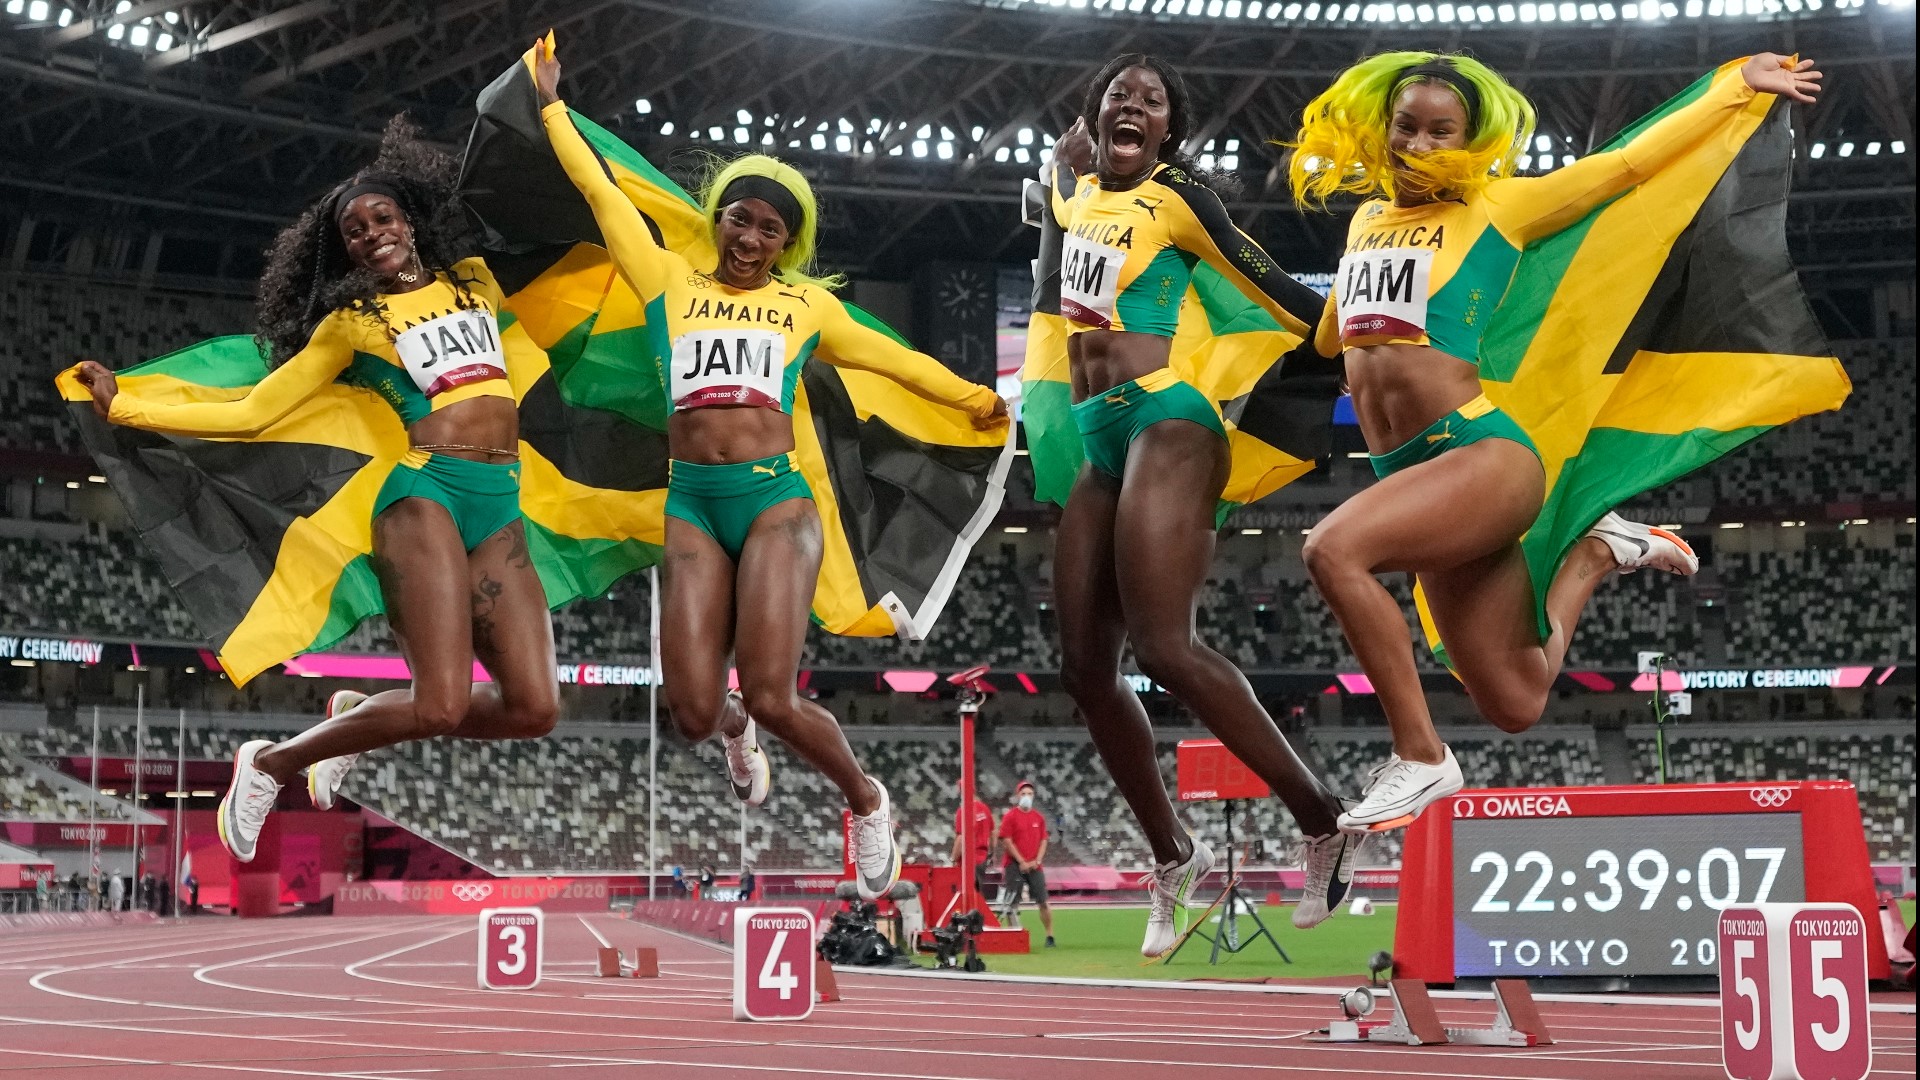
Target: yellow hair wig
{"x":1342,"y":142}
{"x":795,"y":264}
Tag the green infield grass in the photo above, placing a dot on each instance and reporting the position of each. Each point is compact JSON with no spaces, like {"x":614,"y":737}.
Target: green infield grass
{"x":1104,"y":943}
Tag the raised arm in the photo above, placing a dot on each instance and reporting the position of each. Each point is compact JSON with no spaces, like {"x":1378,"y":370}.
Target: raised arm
{"x":327,"y":354}
{"x":1527,"y":208}
{"x":1201,"y":227}
{"x":646,"y":266}
{"x":846,"y":341}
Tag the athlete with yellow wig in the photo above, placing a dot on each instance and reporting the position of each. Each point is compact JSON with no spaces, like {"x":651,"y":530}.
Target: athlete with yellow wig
{"x":743,"y":537}
{"x":1436,"y":138}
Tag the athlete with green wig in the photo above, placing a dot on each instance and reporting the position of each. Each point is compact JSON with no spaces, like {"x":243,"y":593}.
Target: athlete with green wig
{"x":743,"y":536}
{"x":1436,"y":140}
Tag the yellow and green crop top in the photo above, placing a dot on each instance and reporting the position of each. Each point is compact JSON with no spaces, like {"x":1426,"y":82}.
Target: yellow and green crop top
{"x":1127,"y":255}
{"x":717,"y":345}
{"x":418,"y":351}
{"x":1433,"y":274}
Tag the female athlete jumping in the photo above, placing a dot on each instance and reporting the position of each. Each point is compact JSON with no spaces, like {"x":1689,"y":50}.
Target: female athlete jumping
{"x":743,"y":538}
{"x":368,"y":288}
{"x":1438,"y":138}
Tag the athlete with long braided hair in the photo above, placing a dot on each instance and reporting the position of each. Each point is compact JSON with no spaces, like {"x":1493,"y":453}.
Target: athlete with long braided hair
{"x":372,"y":288}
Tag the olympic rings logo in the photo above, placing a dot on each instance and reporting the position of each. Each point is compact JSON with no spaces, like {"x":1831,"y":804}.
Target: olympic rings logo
{"x":1771,"y":798}
{"x":471,"y":891}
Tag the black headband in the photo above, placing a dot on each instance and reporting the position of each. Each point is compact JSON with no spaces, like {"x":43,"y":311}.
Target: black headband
{"x":769,"y":191}
{"x":1447,"y":73}
{"x":364,"y":187}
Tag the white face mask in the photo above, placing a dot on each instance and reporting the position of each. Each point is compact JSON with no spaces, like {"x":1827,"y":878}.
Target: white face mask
{"x":1026,"y":802}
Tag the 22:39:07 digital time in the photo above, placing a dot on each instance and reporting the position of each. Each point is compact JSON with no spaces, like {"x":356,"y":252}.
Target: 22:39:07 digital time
{"x":1715,"y":881}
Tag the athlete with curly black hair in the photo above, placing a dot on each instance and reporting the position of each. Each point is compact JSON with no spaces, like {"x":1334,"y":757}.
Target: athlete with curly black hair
{"x":372,"y":287}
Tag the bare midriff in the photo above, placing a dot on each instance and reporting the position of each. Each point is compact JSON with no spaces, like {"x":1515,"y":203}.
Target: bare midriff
{"x":1100,"y":360}
{"x":1401,"y":389}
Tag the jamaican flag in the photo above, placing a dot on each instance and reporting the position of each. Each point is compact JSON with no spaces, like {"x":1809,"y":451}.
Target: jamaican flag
{"x":904,"y":487}
{"x":267,"y":540}
{"x":1274,"y":392}
{"x":1659,"y":332}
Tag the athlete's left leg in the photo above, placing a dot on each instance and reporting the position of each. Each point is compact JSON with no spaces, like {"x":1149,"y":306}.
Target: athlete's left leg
{"x":513,"y":638}
{"x":1163,"y":540}
{"x":773,"y":590}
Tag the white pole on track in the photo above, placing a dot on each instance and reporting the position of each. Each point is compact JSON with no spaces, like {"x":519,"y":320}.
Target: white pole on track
{"x":653,"y":725}
{"x":93,"y":814}
{"x":139,"y":759}
{"x":179,"y":811}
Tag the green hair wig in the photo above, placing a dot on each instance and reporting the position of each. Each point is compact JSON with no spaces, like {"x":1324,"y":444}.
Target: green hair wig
{"x":795,"y":264}
{"x":1342,"y":143}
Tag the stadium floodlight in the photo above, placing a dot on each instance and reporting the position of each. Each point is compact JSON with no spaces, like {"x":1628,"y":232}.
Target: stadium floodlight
{"x":716,"y":134}
{"x":819,"y":141}
{"x":741,"y":135}
{"x":1230,"y":162}
{"x":37,"y":12}
{"x":1025,"y":136}
{"x":1591,"y":12}
{"x":978,"y":133}
{"x":1873,"y":148}
{"x":1022,"y":156}
{"x":1405,"y":11}
{"x":1846,"y":149}
{"x":1526,"y":13}
{"x":1526,"y":162}
{"x":1445,"y":13}
{"x":920,"y":148}
{"x":1819,"y":151}
{"x":163,"y":43}
{"x":15,"y":7}
{"x":666,"y":128}
{"x":1542,"y":143}
{"x":743,"y":117}
{"x":1002,"y":155}
{"x":843,"y":143}
{"x":1898,"y":147}
{"x":1423,"y":13}
{"x":642,"y":106}
{"x":1293,"y":11}
{"x":137,"y":37}
{"x":944,"y":151}
{"x":1566,"y":159}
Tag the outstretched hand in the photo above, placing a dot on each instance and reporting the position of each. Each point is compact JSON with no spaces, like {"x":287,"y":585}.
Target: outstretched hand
{"x":101,"y":382}
{"x":1771,"y":73}
{"x":546,"y":72}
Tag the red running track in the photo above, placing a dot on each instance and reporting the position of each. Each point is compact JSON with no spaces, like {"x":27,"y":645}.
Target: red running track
{"x":395,"y":999}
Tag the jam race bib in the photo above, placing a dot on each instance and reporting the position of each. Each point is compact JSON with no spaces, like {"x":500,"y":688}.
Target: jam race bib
{"x":1383,"y":293}
{"x":452,"y":349}
{"x":728,"y":367}
{"x":1089,"y":280}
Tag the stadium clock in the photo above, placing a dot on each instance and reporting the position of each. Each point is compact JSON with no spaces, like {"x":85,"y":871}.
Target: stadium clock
{"x":1600,"y":896}
{"x":1615,"y":882}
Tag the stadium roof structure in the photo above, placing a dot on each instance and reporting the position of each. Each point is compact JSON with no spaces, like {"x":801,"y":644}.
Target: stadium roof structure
{"x":916,"y":118}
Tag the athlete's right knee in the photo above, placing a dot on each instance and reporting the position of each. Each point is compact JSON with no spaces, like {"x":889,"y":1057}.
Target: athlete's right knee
{"x":1324,"y":558}
{"x":435,"y":715}
{"x":1512,"y":710}
{"x":1085,"y":680}
{"x":696,"y":715}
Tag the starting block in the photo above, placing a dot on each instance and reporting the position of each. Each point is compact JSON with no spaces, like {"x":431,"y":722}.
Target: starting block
{"x":1793,"y":992}
{"x":825,"y":988}
{"x":646,"y":963}
{"x":773,"y":964}
{"x":607,"y":963}
{"x":511,"y":941}
{"x":1516,"y":1019}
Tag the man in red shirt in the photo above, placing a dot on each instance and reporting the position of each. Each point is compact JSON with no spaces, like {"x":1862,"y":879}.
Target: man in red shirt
{"x":983,"y":841}
{"x":1023,"y":832}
